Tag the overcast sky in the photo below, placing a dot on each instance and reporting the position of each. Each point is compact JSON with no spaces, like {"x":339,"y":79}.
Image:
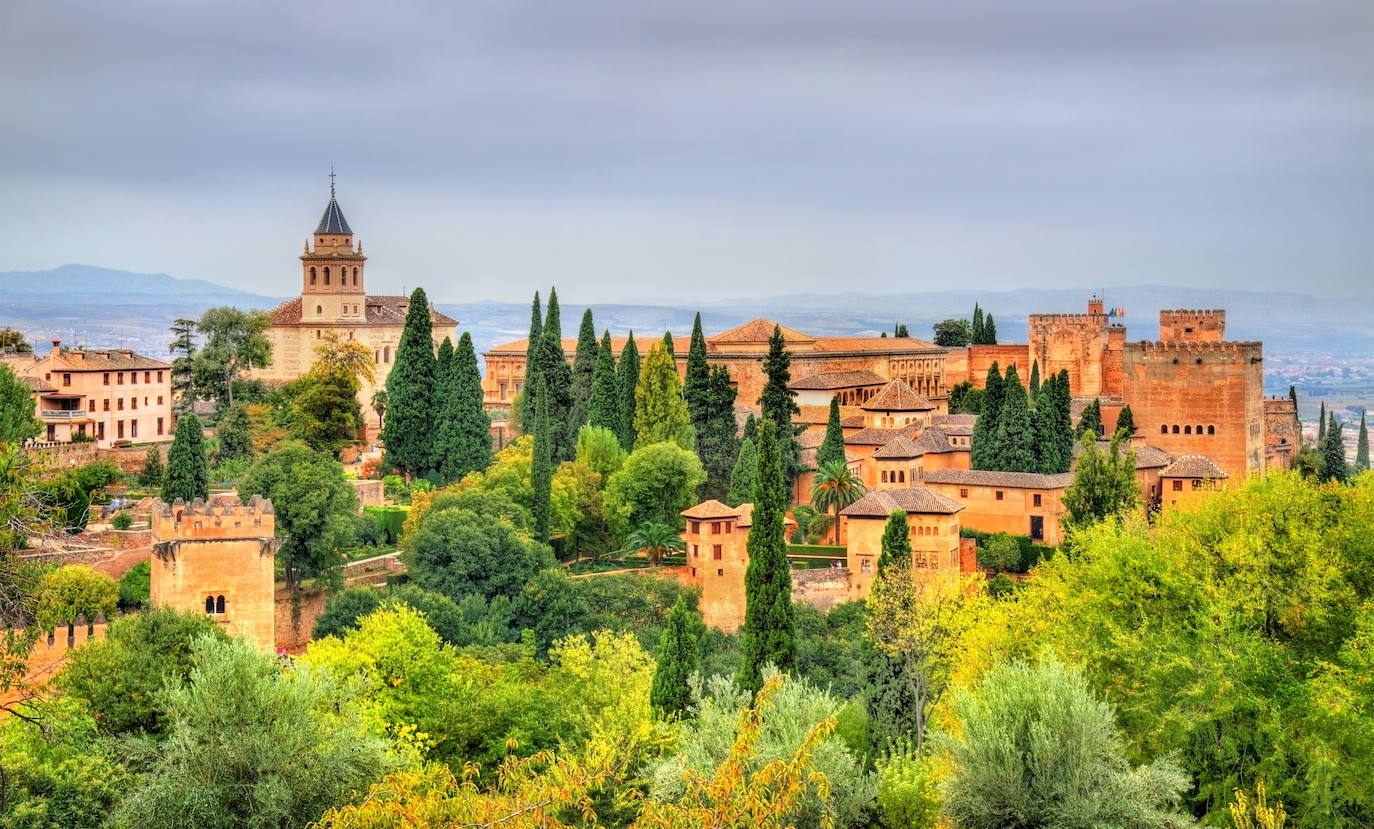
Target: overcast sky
{"x":641,"y":150}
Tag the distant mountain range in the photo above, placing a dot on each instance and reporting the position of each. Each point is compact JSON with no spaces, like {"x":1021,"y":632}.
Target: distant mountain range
{"x":85,"y":304}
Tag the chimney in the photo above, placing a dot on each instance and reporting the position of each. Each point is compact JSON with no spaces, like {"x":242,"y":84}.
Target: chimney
{"x":56,"y":345}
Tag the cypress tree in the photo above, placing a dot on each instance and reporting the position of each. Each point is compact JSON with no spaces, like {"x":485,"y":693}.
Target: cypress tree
{"x":1034,"y":387}
{"x":976,"y":331}
{"x":409,"y":431}
{"x":583,"y":371}
{"x":556,"y":377}
{"x":694,"y":389}
{"x":531,"y":367}
{"x":744,"y":475}
{"x":1015,"y":444}
{"x":443,"y":366}
{"x":660,"y":411}
{"x":1064,"y":420}
{"x":715,"y":438}
{"x":1045,"y":421}
{"x":768,"y":636}
{"x":1091,"y":419}
{"x":188,"y":472}
{"x":603,"y":408}
{"x":668,"y":346}
{"x":629,"y":380}
{"x":989,"y":330}
{"x":151,"y":475}
{"x":778,"y":404}
{"x":1125,"y":419}
{"x":541,"y":467}
{"x":983,"y":451}
{"x":832,"y":448}
{"x":1334,"y":467}
{"x":677,"y":659}
{"x":1297,"y":421}
{"x":443,"y":397}
{"x":896,"y":543}
{"x":1321,"y":424}
{"x":465,"y":431}
{"x":1362,"y":447}
{"x":751,"y":429}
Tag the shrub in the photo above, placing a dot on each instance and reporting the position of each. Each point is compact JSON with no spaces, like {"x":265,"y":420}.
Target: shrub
{"x":122,"y":520}
{"x":71,"y":592}
{"x":908,"y":792}
{"x":818,"y":528}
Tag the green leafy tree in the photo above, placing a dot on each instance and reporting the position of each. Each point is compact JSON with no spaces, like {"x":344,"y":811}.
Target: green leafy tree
{"x":235,"y":342}
{"x":1015,"y":442}
{"x":1334,"y":467}
{"x":768,"y":635}
{"x":1104,"y":483}
{"x":234,"y":434}
{"x":135,"y":586}
{"x":832,"y":448}
{"x":1035,"y":748}
{"x":378,"y":404}
{"x":677,"y":660}
{"x":151,"y":473}
{"x":188,"y":470}
{"x":118,"y":677}
{"x":583,"y":372}
{"x":965,"y":398}
{"x":744,"y":474}
{"x":716,"y":439}
{"x":1125,"y":420}
{"x":464,"y":442}
{"x":778,"y":404}
{"x":250,"y":745}
{"x":1091,"y":421}
{"x":628,"y":371}
{"x":17,"y":422}
{"x":314,"y":508}
{"x":410,"y":389}
{"x":324,"y":412}
{"x":1362,"y":446}
{"x":834,"y":488}
{"x":459,"y":552}
{"x":660,"y":412}
{"x":532,"y":346}
{"x":896,"y":542}
{"x":953,"y":333}
{"x":73,"y":592}
{"x":984,"y":451}
{"x":656,"y":483}
{"x":1045,"y":423}
{"x":599,"y":448}
{"x":13,"y":340}
{"x":604,"y":407}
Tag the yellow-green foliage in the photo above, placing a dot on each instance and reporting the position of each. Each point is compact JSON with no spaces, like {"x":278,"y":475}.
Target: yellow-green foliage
{"x":71,"y":592}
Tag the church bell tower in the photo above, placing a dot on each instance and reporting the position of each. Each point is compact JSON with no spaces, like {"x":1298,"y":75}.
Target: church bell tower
{"x":332,"y":284}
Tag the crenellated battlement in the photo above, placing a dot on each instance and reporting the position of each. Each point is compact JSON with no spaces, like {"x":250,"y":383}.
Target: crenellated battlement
{"x":222,"y":516}
{"x":1232,"y":349}
{"x":1045,"y":319}
{"x":1190,"y":325}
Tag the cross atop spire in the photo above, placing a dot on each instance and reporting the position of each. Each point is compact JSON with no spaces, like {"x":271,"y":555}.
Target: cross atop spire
{"x":333,"y":220}
{"x":331,"y":180}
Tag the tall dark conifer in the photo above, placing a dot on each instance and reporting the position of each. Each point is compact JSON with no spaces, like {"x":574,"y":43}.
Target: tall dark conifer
{"x":556,"y":377}
{"x":976,"y":329}
{"x":1045,"y":420}
{"x":768,"y":636}
{"x":604,"y":406}
{"x":531,"y":382}
{"x":983,"y":451}
{"x":716,"y":442}
{"x":1125,"y":419}
{"x":744,"y":474}
{"x":1015,"y":444}
{"x":583,"y":369}
{"x":778,"y":404}
{"x":896,"y":543}
{"x":1091,"y":419}
{"x":443,"y":366}
{"x":188,"y":471}
{"x":1334,"y":467}
{"x":1321,"y":425}
{"x":464,"y":442}
{"x":410,"y":389}
{"x":989,"y":330}
{"x":694,"y":383}
{"x":541,"y":465}
{"x":832,"y":448}
{"x":1362,"y":446}
{"x":677,"y":659}
{"x":1034,"y":387}
{"x":1297,"y":421}
{"x":629,"y":380}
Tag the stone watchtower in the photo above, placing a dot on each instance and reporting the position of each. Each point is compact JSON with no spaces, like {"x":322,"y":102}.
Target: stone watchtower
{"x":218,"y":558}
{"x":332,"y":279}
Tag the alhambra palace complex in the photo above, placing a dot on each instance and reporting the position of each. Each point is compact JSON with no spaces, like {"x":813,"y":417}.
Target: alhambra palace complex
{"x":1197,"y":401}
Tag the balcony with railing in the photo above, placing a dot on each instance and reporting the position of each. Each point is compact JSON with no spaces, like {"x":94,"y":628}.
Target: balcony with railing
{"x":66,"y":415}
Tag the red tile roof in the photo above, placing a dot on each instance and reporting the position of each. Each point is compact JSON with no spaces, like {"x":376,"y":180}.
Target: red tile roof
{"x":1193,"y":466}
{"x":381,"y":310}
{"x":897,"y":396}
{"x":758,"y":330}
{"x":827,"y":380}
{"x":711,"y":509}
{"x":880,"y":503}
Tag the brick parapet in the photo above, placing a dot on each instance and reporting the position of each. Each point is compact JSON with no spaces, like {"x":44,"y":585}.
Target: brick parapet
{"x":221,"y":517}
{"x":1244,"y":348}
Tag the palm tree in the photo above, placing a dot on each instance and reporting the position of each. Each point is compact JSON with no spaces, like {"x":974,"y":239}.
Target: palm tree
{"x":654,"y":539}
{"x":834,"y":488}
{"x":379,"y":401}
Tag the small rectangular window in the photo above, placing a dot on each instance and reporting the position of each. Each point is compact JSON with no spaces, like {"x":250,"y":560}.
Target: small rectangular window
{"x":147,"y":377}
{"x":92,"y":406}
{"x":120,"y":378}
{"x":119,"y":404}
{"x":729,"y":527}
{"x":998,"y":494}
{"x":119,"y":430}
{"x":107,"y":404}
{"x":159,"y":426}
{"x":66,"y":379}
{"x":159,"y":377}
{"x":720,"y":572}
{"x":1035,"y":499}
{"x":133,"y":428}
{"x":1178,"y":485}
{"x":696,"y":527}
{"x":106,"y":378}
{"x":963,"y":493}
{"x":717,"y":552}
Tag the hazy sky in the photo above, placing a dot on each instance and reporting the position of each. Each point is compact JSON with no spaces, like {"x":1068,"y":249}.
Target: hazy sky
{"x":632,"y":149}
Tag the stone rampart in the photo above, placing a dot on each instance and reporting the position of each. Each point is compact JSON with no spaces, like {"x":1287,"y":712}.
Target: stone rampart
{"x":823,"y":587}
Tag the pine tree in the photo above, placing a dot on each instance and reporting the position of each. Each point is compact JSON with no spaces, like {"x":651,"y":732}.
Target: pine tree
{"x":1125,"y":420}
{"x":832,"y":448}
{"x":677,"y":659}
{"x":1362,"y":446}
{"x":188,"y":471}
{"x":1321,"y":425}
{"x":896,"y":543}
{"x":768,"y":636}
{"x":152,"y":472}
{"x":604,"y":406}
{"x":660,"y":411}
{"x":976,"y":330}
{"x":983,"y":451}
{"x":629,"y":381}
{"x":744,"y":474}
{"x":1297,"y":421}
{"x":1015,"y":444}
{"x":1063,"y":399}
{"x":778,"y":404}
{"x":583,"y":371}
{"x":668,"y":345}
{"x":715,"y":439}
{"x":1034,"y":387}
{"x":464,"y":442}
{"x":989,"y":330}
{"x":409,"y":431}
{"x":556,"y":377}
{"x":1334,"y":467}
{"x":531,"y":382}
{"x":541,"y":467}
{"x":698,"y":371}
{"x":183,"y":350}
{"x":1091,"y":419}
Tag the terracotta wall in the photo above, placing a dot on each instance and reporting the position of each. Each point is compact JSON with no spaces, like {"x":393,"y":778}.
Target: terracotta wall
{"x":934,"y":548}
{"x":984,"y":512}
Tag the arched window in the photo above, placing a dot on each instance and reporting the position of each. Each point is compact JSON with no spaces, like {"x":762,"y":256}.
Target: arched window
{"x":1199,"y":429}
{"x":319,"y":309}
{"x":1187,"y":430}
{"x":219,"y":604}
{"x":312,"y":276}
{"x":355,"y":277}
{"x":1212,"y":430}
{"x":386,"y":354}
{"x":1163,"y":430}
{"x":901,"y":477}
{"x":326,"y":276}
{"x":1175,"y":428}
{"x":209,"y":604}
{"x":884,"y":476}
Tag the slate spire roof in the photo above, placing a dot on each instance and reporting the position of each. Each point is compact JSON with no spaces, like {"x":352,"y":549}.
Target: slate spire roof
{"x":333,"y":220}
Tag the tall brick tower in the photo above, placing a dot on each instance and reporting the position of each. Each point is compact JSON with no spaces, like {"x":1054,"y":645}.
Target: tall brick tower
{"x":332,"y":279}
{"x":218,"y":558}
